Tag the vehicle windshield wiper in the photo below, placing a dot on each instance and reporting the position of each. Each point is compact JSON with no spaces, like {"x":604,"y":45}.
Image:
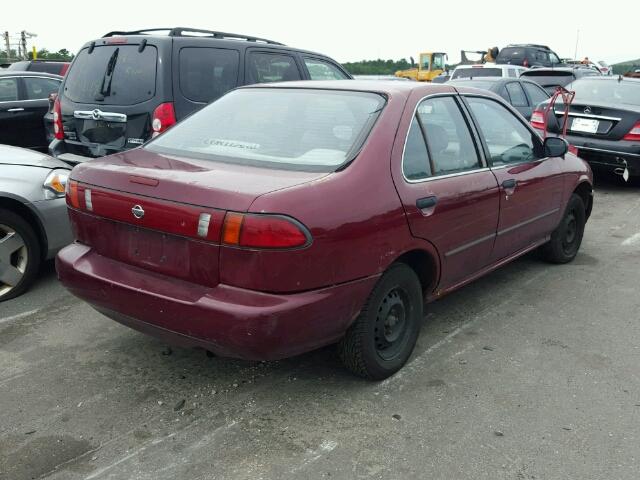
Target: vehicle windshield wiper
{"x":105,"y":87}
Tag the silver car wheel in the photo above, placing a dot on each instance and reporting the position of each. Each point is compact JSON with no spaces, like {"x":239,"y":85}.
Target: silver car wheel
{"x":14,"y":258}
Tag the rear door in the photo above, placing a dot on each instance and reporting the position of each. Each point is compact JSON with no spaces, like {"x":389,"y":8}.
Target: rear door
{"x":36,"y":91}
{"x":531,"y":186}
{"x":12,"y":114}
{"x":270,"y":65}
{"x":451,"y":199}
{"x":109,"y":95}
{"x":202,"y":74}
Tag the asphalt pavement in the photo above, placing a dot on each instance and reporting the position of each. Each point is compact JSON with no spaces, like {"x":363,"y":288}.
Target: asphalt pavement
{"x":532,"y":372}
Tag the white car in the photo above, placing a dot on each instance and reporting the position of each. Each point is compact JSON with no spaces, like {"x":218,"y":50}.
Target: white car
{"x":487,"y":70}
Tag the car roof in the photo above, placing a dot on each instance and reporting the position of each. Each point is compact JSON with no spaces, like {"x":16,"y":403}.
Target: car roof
{"x":23,"y":73}
{"x":491,"y":65}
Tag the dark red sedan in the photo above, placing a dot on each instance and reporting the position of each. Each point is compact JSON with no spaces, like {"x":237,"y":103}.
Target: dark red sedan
{"x":285,"y":217}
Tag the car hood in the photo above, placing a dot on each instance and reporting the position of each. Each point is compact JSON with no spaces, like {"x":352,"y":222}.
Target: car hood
{"x":29,"y":158}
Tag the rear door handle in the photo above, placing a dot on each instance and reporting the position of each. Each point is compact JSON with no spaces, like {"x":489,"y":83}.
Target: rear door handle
{"x":426,"y":202}
{"x":510,"y":183}
{"x":16,"y":109}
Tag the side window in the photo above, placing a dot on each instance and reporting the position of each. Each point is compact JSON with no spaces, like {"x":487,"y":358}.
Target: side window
{"x":207,"y":73}
{"x":536,"y":94}
{"x":554,"y":58}
{"x":271,"y":67}
{"x":516,"y":94}
{"x":320,"y":70}
{"x":508,"y":140}
{"x":415,"y":162}
{"x":512,"y":72}
{"x":38,"y":88}
{"x":8,"y":89}
{"x":449,"y":141}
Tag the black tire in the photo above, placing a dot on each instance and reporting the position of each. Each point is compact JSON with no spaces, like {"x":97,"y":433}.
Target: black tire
{"x":381,"y":339}
{"x":30,"y":265}
{"x":567,"y":237}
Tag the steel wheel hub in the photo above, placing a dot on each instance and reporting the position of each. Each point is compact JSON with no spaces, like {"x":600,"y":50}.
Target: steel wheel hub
{"x":391,"y":324}
{"x":13,"y":259}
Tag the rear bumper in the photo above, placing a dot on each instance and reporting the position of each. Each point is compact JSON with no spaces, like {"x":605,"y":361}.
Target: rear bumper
{"x":608,"y":154}
{"x":226,"y":320}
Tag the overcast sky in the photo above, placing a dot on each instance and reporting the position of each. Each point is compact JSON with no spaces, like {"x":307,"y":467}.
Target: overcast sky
{"x":349,"y":30}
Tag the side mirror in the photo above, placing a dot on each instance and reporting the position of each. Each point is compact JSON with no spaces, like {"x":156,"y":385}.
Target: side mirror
{"x":555,"y":147}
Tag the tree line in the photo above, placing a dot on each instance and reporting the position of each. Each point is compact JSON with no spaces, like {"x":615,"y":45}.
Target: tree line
{"x":43,"y":54}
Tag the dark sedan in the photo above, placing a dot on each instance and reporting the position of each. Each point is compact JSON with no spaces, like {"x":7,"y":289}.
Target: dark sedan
{"x":604,"y":123}
{"x":24,"y":101}
{"x":552,"y":78}
{"x":523,"y":95}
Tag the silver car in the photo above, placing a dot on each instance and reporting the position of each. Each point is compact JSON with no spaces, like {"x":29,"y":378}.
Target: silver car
{"x":33,"y":215}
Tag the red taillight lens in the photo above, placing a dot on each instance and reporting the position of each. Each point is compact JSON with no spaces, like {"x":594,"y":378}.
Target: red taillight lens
{"x":72,"y":194}
{"x":537,"y":119}
{"x":525,"y":63}
{"x":573,"y":149}
{"x":163,"y":117}
{"x":57,"y":119}
{"x":263,"y":231}
{"x":634,"y":133}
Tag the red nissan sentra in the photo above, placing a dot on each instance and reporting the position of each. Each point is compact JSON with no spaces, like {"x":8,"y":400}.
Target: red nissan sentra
{"x":285,"y":217}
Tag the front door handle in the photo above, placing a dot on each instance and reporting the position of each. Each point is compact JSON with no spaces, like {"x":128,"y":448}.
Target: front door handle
{"x":510,"y":184}
{"x":426,"y":202}
{"x":16,"y":109}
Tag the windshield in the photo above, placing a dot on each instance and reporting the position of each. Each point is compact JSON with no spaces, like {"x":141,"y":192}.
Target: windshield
{"x":113,"y":75}
{"x":476,"y":72}
{"x":606,"y":91}
{"x":296,"y":129}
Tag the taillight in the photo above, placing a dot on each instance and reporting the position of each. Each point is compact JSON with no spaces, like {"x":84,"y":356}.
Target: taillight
{"x":163,"y":117}
{"x":537,"y":119}
{"x":263,"y":231}
{"x":525,"y":63}
{"x":57,"y":120}
{"x":634,"y":133}
{"x":72,"y":194}
{"x":573,"y":149}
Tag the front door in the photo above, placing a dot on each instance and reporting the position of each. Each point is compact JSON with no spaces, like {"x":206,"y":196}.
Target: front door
{"x":451,"y":199}
{"x":531,"y":186}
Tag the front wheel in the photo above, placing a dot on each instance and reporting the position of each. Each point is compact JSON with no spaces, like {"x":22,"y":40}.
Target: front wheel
{"x":567,"y":237}
{"x":383,"y":336}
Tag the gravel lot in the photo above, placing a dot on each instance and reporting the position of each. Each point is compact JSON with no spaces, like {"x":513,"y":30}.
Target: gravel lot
{"x":529,"y":373}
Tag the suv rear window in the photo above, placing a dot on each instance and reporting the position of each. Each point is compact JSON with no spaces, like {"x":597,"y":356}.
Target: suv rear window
{"x":113,"y":75}
{"x":476,"y":72}
{"x":292,"y":129}
{"x":207,"y":73}
{"x":511,"y":54}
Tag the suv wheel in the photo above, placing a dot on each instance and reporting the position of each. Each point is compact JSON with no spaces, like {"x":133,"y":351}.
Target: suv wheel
{"x":383,"y":336}
{"x":19,"y":255}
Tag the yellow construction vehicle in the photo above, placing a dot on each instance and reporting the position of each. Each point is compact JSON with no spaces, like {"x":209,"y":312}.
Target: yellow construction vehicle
{"x":431,"y":65}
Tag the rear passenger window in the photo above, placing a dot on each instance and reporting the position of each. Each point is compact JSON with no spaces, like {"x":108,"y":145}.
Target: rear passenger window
{"x":271,"y":67}
{"x":207,"y":73}
{"x":415,"y":162}
{"x":516,"y":94}
{"x":449,"y":141}
{"x":8,"y":90}
{"x":536,"y":94}
{"x":319,"y":70}
{"x":39,"y":88}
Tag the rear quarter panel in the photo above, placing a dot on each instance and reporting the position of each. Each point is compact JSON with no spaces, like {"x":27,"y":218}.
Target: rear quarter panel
{"x":355,"y":217}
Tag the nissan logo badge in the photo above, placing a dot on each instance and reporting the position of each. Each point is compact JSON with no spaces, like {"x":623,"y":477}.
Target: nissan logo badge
{"x":137,"y":211}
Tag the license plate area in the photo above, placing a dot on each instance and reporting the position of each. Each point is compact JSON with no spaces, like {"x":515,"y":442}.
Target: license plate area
{"x":102,"y":132}
{"x":155,"y":250}
{"x":585,"y":125}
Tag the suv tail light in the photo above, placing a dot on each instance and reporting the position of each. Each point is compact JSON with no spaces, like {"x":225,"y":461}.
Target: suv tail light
{"x":525,"y":63}
{"x":537,"y":119}
{"x":634,"y":133}
{"x":164,"y":116}
{"x":57,"y":119}
{"x":263,"y":231}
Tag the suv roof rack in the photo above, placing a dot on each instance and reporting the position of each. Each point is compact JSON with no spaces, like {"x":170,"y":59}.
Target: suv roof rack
{"x":185,"y":31}
{"x":535,"y":45}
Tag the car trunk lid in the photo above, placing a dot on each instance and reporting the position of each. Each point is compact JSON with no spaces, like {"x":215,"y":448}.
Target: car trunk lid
{"x":593,"y":120}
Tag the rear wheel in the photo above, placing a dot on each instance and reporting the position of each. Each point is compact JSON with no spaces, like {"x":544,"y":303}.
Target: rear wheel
{"x":567,"y":237}
{"x":383,"y":336}
{"x":19,"y":255}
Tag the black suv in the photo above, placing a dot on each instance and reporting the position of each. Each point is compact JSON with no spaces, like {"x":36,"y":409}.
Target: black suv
{"x":528,"y":55}
{"x":126,"y":87}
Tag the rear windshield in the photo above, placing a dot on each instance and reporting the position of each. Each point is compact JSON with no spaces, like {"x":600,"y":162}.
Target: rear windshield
{"x":548,"y":78}
{"x":608,"y":91}
{"x":113,"y":75}
{"x":511,"y":53}
{"x":293,"y":129}
{"x":476,"y":72}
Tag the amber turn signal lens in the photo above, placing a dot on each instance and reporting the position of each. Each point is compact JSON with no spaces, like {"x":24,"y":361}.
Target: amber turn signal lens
{"x":232,"y":226}
{"x":72,"y":194}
